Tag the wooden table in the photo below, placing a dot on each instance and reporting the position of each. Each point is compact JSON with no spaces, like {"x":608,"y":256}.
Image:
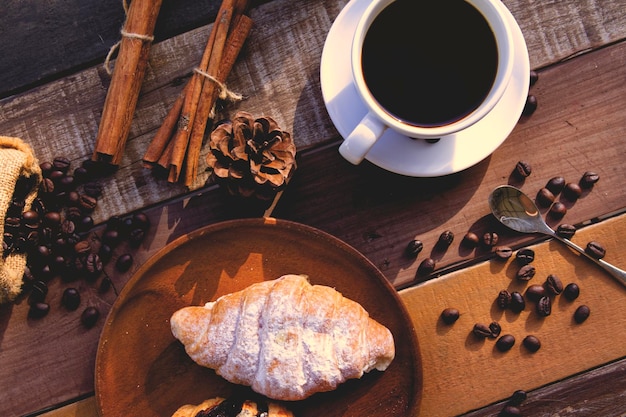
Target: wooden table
{"x":53,"y":89}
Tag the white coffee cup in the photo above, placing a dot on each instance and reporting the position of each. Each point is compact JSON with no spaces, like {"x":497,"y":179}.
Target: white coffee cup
{"x":358,"y":143}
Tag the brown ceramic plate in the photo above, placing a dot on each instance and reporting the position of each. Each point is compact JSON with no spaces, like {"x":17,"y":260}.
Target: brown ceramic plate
{"x":141,"y":370}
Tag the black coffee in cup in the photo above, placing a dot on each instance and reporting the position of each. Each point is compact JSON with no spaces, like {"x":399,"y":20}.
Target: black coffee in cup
{"x":429,"y":62}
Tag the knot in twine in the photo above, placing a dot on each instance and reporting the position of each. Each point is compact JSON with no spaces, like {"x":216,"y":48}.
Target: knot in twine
{"x":125,"y":34}
{"x":225,"y":93}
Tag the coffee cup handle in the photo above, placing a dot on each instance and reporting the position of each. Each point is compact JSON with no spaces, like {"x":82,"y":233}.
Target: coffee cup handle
{"x":362,"y":138}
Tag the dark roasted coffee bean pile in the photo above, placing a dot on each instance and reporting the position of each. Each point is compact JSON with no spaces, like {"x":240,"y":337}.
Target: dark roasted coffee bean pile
{"x":56,"y":233}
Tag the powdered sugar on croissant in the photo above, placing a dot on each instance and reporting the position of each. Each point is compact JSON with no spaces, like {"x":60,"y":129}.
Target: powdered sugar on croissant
{"x":285,"y":338}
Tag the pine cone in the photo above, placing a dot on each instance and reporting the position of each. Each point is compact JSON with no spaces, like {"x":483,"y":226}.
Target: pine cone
{"x":251,"y":156}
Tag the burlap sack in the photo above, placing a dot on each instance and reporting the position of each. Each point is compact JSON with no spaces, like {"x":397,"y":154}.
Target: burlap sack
{"x":16,"y":160}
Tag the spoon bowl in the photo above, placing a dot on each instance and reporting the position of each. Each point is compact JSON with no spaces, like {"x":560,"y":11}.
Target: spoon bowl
{"x":517,"y":211}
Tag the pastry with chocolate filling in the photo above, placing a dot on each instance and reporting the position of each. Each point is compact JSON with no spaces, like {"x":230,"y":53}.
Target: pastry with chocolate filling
{"x":220,"y":407}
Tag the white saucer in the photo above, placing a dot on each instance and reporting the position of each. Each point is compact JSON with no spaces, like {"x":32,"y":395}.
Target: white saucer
{"x":401,"y":154}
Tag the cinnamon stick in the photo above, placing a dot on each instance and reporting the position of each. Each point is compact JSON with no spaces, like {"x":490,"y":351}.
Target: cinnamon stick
{"x":128,"y":74}
{"x":210,"y":92}
{"x":190,"y":106}
{"x":166,"y":130}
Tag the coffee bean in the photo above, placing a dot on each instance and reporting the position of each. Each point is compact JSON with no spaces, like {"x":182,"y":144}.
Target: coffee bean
{"x":93,"y":189}
{"x":413,"y":248}
{"x":46,"y":168}
{"x":571,"y":291}
{"x":111,"y":237}
{"x":566,"y":231}
{"x":85,"y":223}
{"x":81,"y":175}
{"x":90,"y":317}
{"x":93,"y":265}
{"x":535,"y":292}
{"x":426,"y":267}
{"x":490,"y":239}
{"x":105,"y":285}
{"x":38,"y":310}
{"x":30,"y":218}
{"x":505,"y":342}
{"x":445,"y":239}
{"x":523,"y":169}
{"x":70,"y":299}
{"x":518,"y":397}
{"x":524,"y":256}
{"x":105,"y":252}
{"x":38,"y":292}
{"x":481,"y":330}
{"x":503,"y":252}
{"x":470,"y":240}
{"x":56,"y":175}
{"x":141,"y":221}
{"x":572,"y":191}
{"x":581,"y":314}
{"x":68,"y":227}
{"x":450,"y":315}
{"x":530,"y":106}
{"x":61,"y":163}
{"x":595,"y":250}
{"x":504,"y":299}
{"x":517,"y":303}
{"x":135,"y":237}
{"x":544,"y":306}
{"x":553,"y":285}
{"x":558,"y":210}
{"x":124,"y":262}
{"x":589,"y":179}
{"x":526,"y":273}
{"x":65,"y":183}
{"x":87,"y":203}
{"x":534,"y":76}
{"x":545,"y":198}
{"x":532,"y":343}
{"x":556,"y":185}
{"x":52,"y":219}
{"x":495,"y":329}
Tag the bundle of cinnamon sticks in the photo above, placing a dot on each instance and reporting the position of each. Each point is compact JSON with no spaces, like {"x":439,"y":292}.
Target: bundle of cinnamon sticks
{"x":177,"y":144}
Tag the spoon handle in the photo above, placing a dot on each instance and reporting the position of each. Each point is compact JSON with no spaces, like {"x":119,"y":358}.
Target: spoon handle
{"x":615,"y":272}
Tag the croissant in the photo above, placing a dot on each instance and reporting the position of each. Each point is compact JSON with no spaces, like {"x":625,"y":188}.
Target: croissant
{"x":285,"y":338}
{"x":232,"y":408}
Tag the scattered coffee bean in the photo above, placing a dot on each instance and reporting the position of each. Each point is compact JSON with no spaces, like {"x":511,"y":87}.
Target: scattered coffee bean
{"x":545,"y":198}
{"x":60,"y":163}
{"x":566,"y":231}
{"x":553,"y":285}
{"x":106,"y":253}
{"x":87,"y":203}
{"x":38,"y":310}
{"x":46,"y":168}
{"x":595,"y":250}
{"x":90,"y":316}
{"x":470,"y":240}
{"x":571,"y":291}
{"x":535,"y":292}
{"x":518,"y":397}
{"x":510,"y":411}
{"x":581,"y":314}
{"x":523,"y":169}
{"x":534,"y":76}
{"x":124,"y":262}
{"x":556,"y":185}
{"x":111,"y":237}
{"x":532,"y":343}
{"x":413,"y":248}
{"x":135,"y":237}
{"x":544,"y":306}
{"x":517,"y":303}
{"x":504,"y":299}
{"x":530,"y":106}
{"x":524,"y":256}
{"x":589,"y":179}
{"x":93,"y":189}
{"x":141,"y":221}
{"x":93,"y":266}
{"x":503,"y":252}
{"x":572,"y":191}
{"x":505,"y":343}
{"x":450,"y":315}
{"x":105,"y":285}
{"x":558,"y":210}
{"x":70,"y":298}
{"x":481,"y":331}
{"x":426,"y":267}
{"x":495,"y":329}
{"x":490,"y":239}
{"x":445,"y":239}
{"x":38,"y":292}
{"x":526,"y":273}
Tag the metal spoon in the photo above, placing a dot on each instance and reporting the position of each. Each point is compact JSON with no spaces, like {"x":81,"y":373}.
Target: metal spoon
{"x":517,"y":211}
